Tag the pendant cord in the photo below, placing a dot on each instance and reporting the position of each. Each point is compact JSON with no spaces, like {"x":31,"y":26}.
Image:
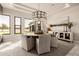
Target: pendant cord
{"x":38,"y":6}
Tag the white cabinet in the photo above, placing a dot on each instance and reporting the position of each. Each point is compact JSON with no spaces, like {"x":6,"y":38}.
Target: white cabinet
{"x":68,"y":36}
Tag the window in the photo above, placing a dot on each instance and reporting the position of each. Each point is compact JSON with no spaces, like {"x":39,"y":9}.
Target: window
{"x":17,"y":25}
{"x":4,"y":24}
{"x":29,"y":26}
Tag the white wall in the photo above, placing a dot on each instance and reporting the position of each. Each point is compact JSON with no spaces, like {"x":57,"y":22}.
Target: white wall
{"x":0,"y":9}
{"x":61,"y":17}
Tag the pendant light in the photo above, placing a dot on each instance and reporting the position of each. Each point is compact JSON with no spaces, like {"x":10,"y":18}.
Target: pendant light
{"x":40,"y":17}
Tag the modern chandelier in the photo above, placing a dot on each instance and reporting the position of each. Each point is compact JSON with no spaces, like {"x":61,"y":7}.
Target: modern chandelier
{"x":40,"y":18}
{"x":39,"y":14}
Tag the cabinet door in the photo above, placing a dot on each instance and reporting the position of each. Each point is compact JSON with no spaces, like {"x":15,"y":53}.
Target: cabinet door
{"x":67,"y":35}
{"x":61,"y":35}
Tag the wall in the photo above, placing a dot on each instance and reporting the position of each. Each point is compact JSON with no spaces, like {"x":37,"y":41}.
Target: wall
{"x":61,"y":17}
{"x":1,"y":9}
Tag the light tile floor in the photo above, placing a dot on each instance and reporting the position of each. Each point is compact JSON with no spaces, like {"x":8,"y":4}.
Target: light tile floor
{"x":74,"y":51}
{"x":14,"y":49}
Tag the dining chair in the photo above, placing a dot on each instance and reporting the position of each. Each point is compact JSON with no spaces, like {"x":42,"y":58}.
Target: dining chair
{"x":27,"y":42}
{"x":54,"y":41}
{"x":43,"y":44}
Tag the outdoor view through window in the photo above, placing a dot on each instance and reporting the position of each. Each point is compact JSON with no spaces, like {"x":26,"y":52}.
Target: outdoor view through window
{"x":17,"y":25}
{"x":4,"y":24}
{"x":28,"y":22}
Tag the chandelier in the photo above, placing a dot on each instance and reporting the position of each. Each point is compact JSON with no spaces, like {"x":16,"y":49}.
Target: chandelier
{"x":40,"y":18}
{"x":39,"y":14}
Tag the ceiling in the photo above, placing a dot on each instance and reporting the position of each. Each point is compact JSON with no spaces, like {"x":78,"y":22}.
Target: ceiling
{"x":50,"y":8}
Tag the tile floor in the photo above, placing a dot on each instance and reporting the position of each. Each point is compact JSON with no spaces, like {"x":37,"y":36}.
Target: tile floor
{"x":15,"y":49}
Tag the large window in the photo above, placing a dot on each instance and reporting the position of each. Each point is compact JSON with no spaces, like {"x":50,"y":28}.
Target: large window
{"x":4,"y":24}
{"x":17,"y":25}
{"x":28,"y":24}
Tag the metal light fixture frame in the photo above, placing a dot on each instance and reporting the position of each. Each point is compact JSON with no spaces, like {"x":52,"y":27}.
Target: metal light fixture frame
{"x":39,"y":14}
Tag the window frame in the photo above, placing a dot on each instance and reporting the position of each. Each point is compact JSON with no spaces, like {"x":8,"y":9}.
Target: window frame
{"x":17,"y":25}
{"x":9,"y":24}
{"x":24,"y":23}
